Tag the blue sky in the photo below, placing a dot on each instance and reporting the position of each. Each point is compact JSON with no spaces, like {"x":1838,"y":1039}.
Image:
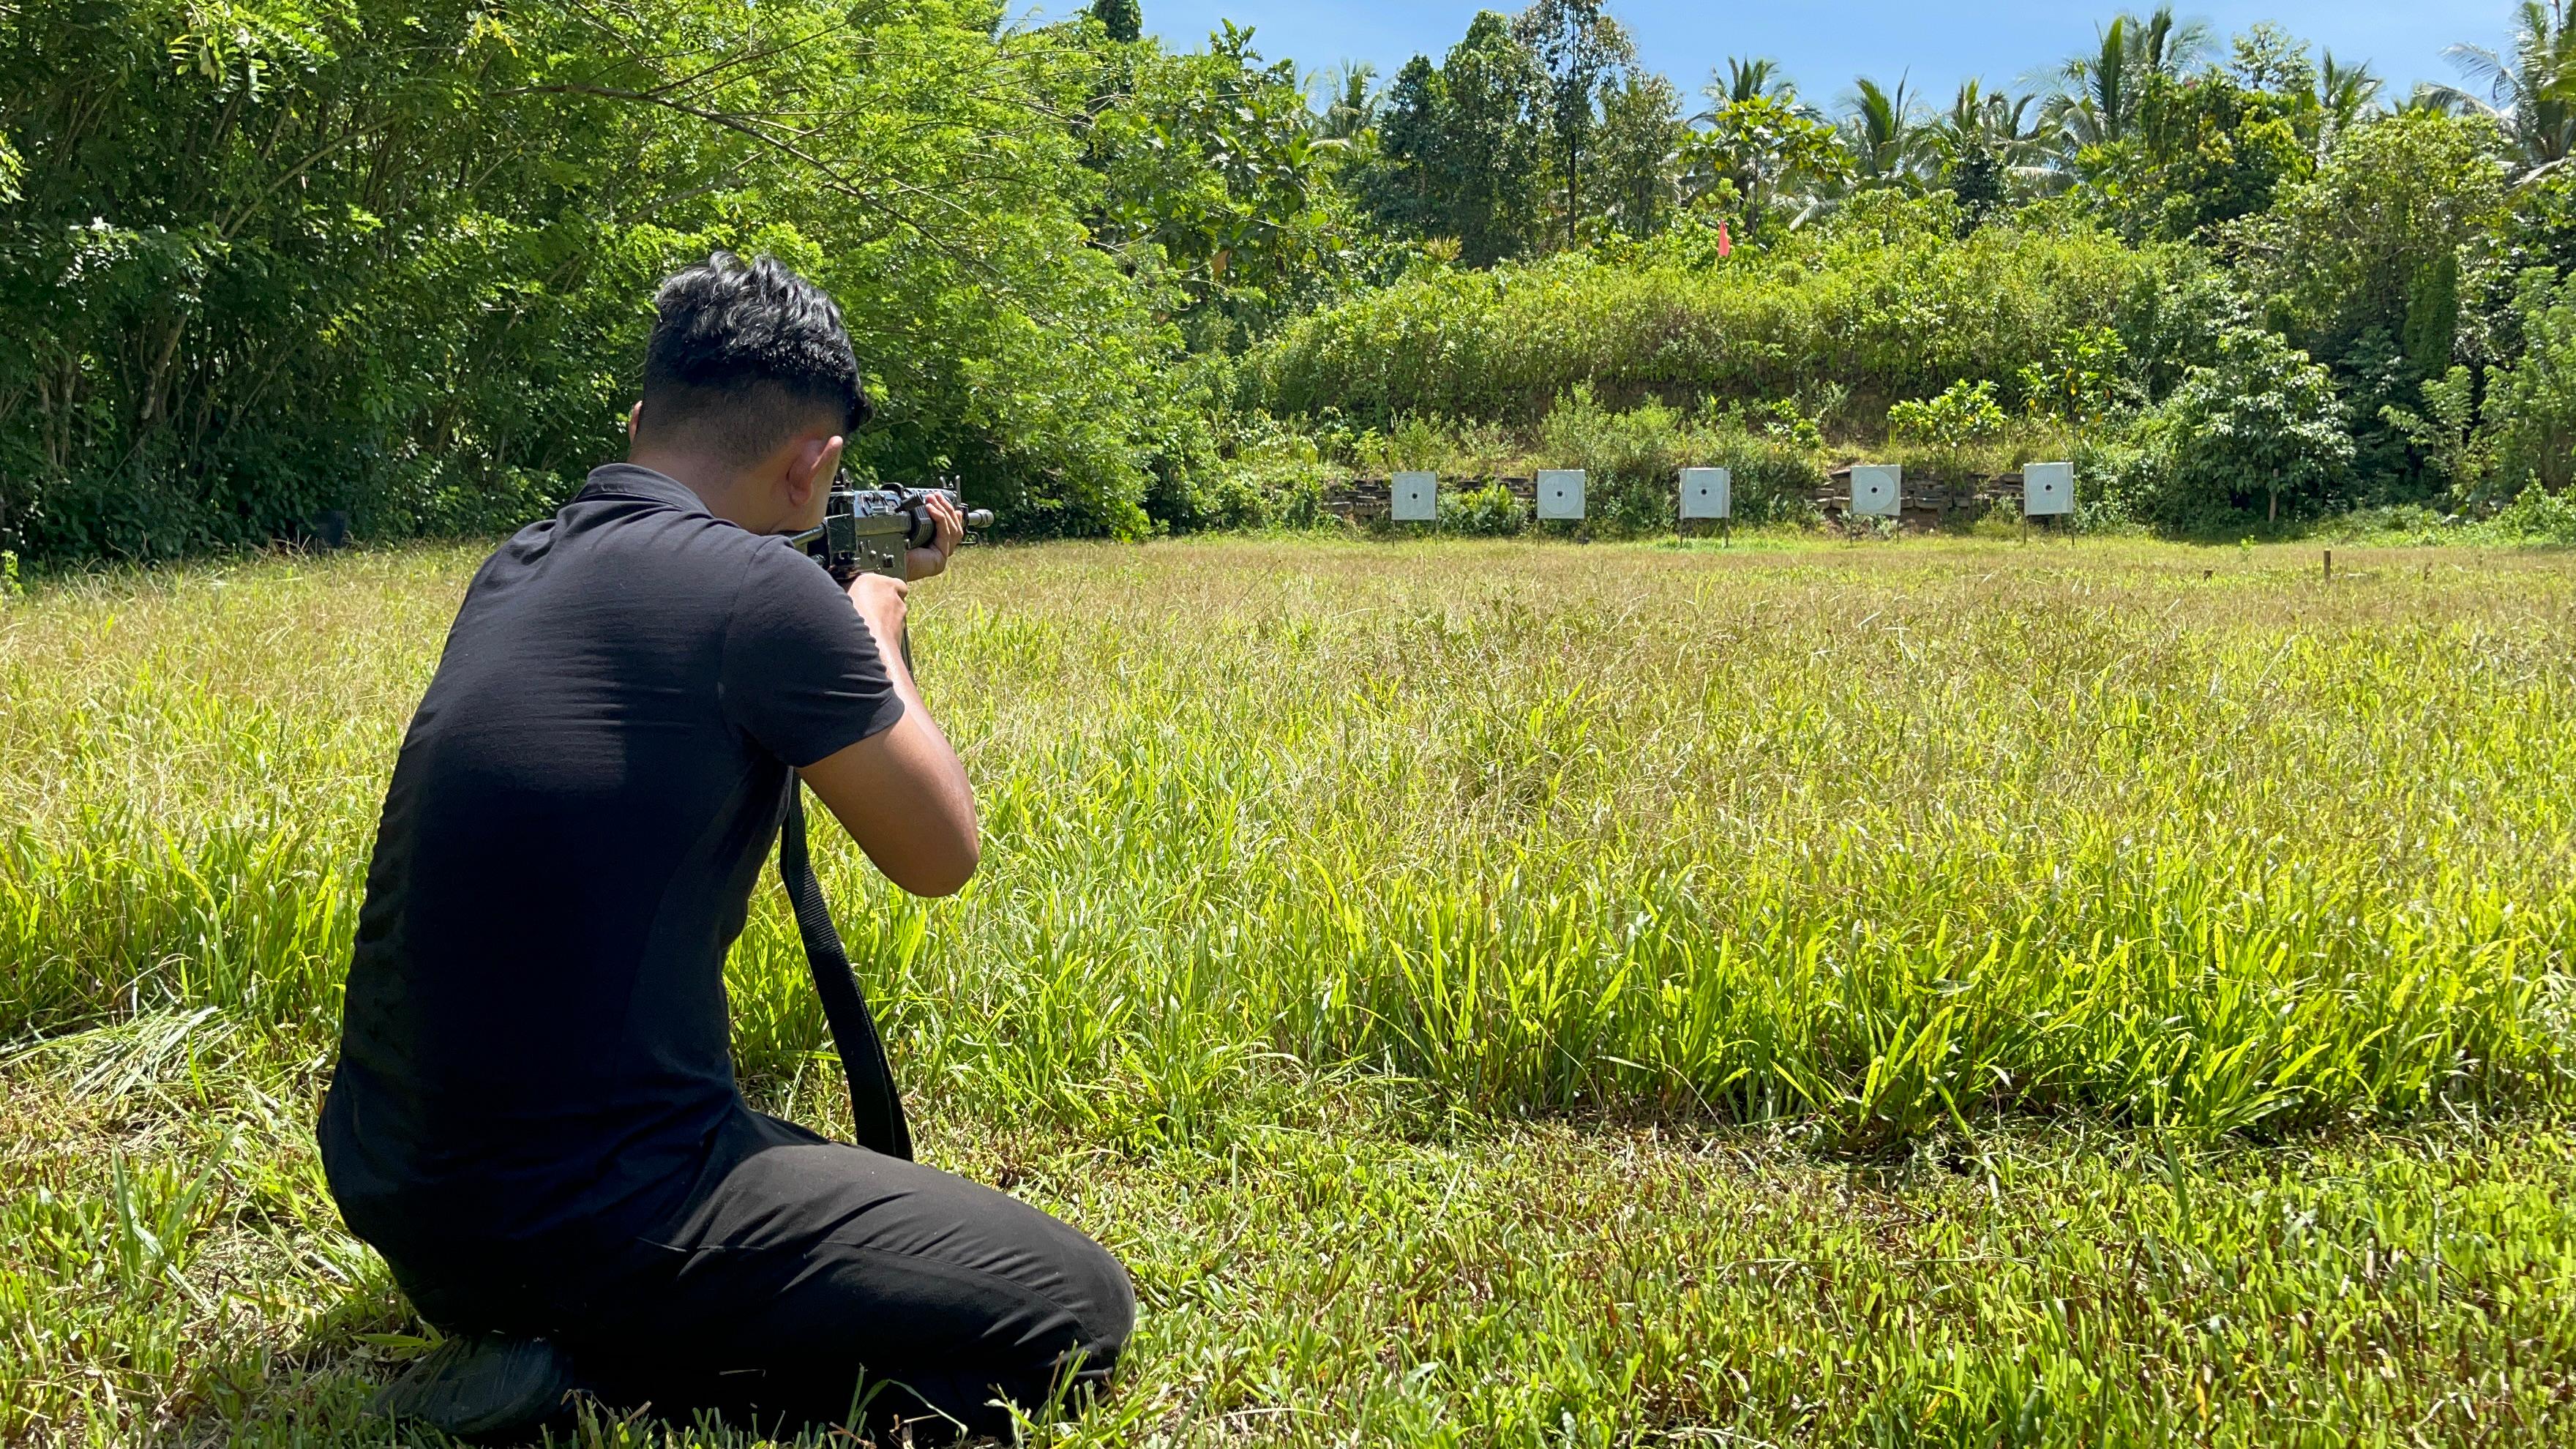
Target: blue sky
{"x":1825,"y":43}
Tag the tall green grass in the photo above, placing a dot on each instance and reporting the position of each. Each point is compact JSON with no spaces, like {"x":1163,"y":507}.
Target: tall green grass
{"x":1880,"y":842}
{"x":2166,"y":949}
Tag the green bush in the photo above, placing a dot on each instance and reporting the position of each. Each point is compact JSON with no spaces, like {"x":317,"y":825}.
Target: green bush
{"x":1962,"y":418}
{"x":2388,"y":523}
{"x":2085,"y":374}
{"x":2537,"y":515}
{"x":1449,"y":448}
{"x":1964,"y":414}
{"x":1887,"y":303}
{"x":2113,"y":480}
{"x":2531,"y":405}
{"x":1631,"y":460}
{"x":1276,"y":477}
{"x":2262,"y":424}
{"x":1781,"y":420}
{"x":2446,"y":431}
{"x":1771,"y":481}
{"x":1490,"y":511}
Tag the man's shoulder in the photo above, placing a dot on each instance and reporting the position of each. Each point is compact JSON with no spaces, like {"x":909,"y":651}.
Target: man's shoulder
{"x":781,"y":589}
{"x":633,"y":579}
{"x":653,"y":532}
{"x":673,"y":562}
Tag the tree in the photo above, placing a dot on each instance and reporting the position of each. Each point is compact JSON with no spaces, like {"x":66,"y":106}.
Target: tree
{"x":1404,"y":189}
{"x":2446,"y":431}
{"x":1986,"y":151}
{"x":1354,"y":101}
{"x":2093,"y":99}
{"x":1884,"y":134}
{"x":2263,"y":419}
{"x":1123,"y":20}
{"x":1458,"y":147}
{"x":2097,"y":95}
{"x":1641,"y":127}
{"x":2268,"y":58}
{"x":1578,"y":51}
{"x":2365,"y":263}
{"x":1214,"y":168}
{"x":2166,"y":46}
{"x":2532,"y":403}
{"x":2373,"y":239}
{"x":2192,"y":153}
{"x":1487,"y":159}
{"x":2531,"y":96}
{"x":385,"y":258}
{"x":2346,"y":96}
{"x":1767,"y":158}
{"x":1745,"y":79}
{"x":2219,"y":150}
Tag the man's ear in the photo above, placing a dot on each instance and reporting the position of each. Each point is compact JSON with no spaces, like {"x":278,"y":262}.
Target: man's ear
{"x":634,"y":419}
{"x":811,"y":466}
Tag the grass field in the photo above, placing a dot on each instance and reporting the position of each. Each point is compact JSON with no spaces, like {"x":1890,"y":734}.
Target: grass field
{"x":1518,"y":994}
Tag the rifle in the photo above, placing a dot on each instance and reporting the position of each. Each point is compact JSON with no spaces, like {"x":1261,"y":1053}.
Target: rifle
{"x":869,"y":530}
{"x":864,"y":530}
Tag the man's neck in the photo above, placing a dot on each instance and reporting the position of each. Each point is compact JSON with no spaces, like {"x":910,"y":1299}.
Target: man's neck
{"x":723,"y":490}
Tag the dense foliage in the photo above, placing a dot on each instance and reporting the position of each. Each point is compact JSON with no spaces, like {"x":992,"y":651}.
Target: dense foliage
{"x":2250,"y":289}
{"x":2261,"y":422}
{"x":275,"y":267}
{"x":1888,"y":305}
{"x":273,"y":261}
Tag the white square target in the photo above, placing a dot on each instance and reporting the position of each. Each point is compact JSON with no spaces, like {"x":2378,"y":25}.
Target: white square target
{"x":1560,"y":493}
{"x":2047,"y":488}
{"x":1417,"y":497}
{"x":1708,"y":493}
{"x":1877,"y":488}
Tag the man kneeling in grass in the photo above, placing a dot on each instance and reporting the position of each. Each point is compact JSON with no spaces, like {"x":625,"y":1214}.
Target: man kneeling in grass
{"x":535,"y":1118}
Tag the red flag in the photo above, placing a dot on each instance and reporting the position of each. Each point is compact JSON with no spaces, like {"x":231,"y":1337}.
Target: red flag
{"x":1725,"y":243}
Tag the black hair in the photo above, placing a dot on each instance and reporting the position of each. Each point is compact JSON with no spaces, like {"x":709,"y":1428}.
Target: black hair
{"x":745,"y":354}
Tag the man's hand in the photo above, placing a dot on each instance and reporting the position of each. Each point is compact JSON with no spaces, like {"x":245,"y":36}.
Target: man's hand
{"x":949,"y":530}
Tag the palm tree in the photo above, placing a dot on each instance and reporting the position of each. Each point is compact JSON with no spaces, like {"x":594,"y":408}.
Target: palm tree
{"x":1356,"y":99}
{"x":1747,"y":78}
{"x":2346,"y":96}
{"x":1884,"y":132}
{"x":2094,"y":98}
{"x":2532,"y":96}
{"x":1995,"y":116}
{"x":2165,"y":46}
{"x":1991,"y":133}
{"x":2438,"y":99}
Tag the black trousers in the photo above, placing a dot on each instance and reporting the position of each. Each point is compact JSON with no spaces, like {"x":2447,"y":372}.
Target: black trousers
{"x":811,"y":1282}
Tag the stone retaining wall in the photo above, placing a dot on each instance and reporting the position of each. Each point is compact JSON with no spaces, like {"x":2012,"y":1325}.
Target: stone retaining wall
{"x":1928,"y":502}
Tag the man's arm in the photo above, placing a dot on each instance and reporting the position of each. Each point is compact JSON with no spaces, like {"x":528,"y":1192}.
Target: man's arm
{"x":901,"y":793}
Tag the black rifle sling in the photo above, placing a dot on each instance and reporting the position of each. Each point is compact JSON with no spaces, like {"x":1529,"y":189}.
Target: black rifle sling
{"x":876,"y":1108}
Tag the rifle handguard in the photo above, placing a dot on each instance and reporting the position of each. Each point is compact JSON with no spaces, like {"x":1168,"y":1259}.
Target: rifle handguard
{"x":869,"y":530}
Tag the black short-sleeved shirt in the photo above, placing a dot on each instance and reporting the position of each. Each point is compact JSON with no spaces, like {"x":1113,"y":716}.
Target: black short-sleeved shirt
{"x":534,"y":1049}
